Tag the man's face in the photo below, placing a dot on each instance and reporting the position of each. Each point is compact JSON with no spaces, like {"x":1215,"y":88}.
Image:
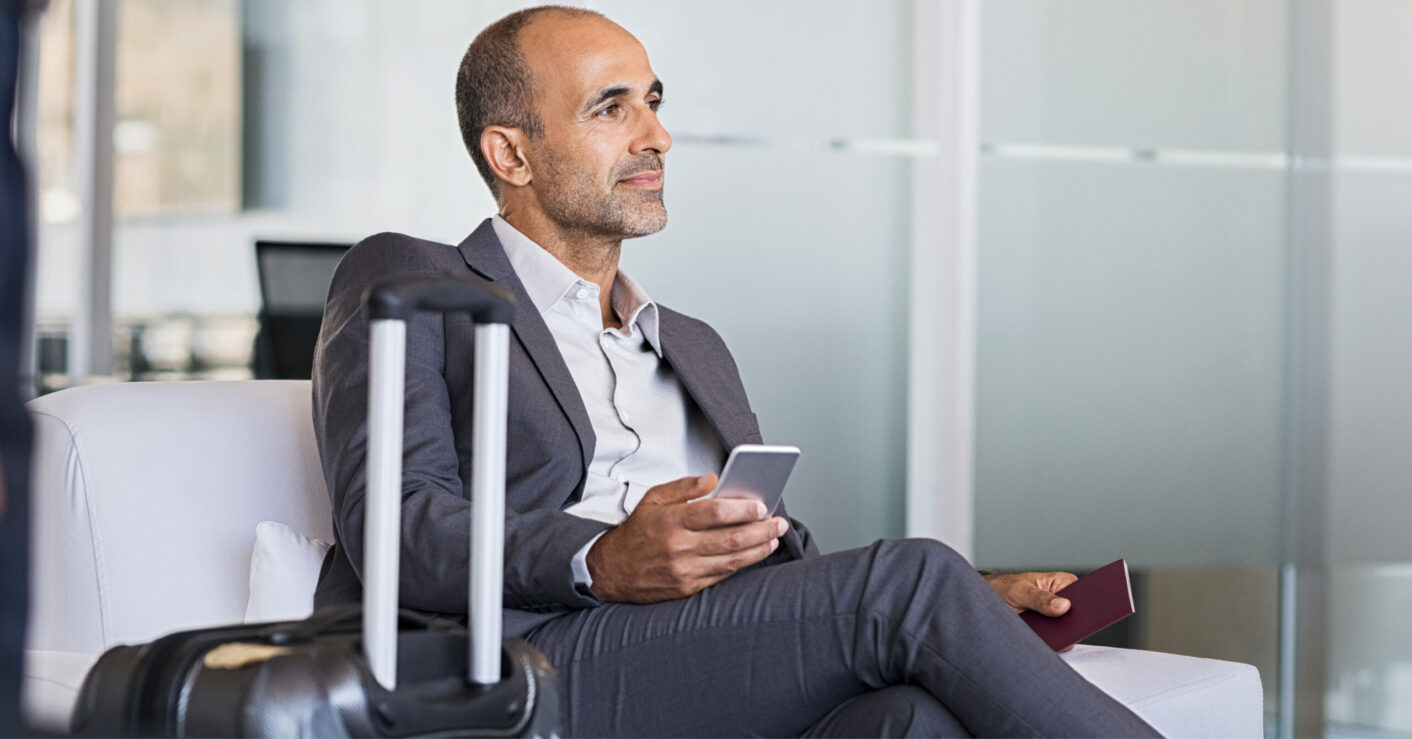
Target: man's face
{"x":598,"y":168}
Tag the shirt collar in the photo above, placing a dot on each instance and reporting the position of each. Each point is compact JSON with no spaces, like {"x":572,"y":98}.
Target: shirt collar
{"x":638,"y":311}
{"x":547,"y":281}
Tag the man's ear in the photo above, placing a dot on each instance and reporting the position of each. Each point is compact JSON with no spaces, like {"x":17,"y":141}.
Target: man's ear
{"x":503,"y":149}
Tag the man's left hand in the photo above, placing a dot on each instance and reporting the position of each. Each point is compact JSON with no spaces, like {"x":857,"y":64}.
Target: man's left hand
{"x":1033,"y":591}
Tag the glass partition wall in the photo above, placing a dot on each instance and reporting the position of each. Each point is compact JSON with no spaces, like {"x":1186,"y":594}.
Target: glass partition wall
{"x":1194,"y":272}
{"x":1368,"y":509}
{"x":1132,"y":290}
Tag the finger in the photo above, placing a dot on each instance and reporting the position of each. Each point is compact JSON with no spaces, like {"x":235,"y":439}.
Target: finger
{"x":680,"y":491}
{"x":1051,"y":604}
{"x":718,"y":512}
{"x":724,"y":565}
{"x":738,"y":538}
{"x":1023,"y":593}
{"x":702,"y":572}
{"x":1053,"y":582}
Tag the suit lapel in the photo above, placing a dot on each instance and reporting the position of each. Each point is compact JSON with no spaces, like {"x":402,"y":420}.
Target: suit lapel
{"x":700,"y":374}
{"x":484,"y":254}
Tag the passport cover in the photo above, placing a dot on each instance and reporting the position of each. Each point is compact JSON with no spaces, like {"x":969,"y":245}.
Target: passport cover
{"x":1096,"y":601}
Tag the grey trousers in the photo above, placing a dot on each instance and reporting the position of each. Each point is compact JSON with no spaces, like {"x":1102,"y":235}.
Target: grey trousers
{"x":901,"y":638}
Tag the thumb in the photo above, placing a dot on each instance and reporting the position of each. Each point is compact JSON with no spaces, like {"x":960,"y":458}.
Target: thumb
{"x":1053,"y":605}
{"x":680,"y":491}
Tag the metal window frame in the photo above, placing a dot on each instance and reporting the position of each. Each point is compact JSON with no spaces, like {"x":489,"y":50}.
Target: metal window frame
{"x":95,"y":56}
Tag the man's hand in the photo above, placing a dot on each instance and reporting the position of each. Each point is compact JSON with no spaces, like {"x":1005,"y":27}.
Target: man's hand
{"x":671,"y":547}
{"x":1033,"y":591}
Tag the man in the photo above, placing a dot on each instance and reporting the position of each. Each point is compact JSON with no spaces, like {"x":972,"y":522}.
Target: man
{"x":664,"y":614}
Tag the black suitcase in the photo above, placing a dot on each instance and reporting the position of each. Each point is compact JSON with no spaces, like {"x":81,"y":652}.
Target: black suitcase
{"x":374,"y":670}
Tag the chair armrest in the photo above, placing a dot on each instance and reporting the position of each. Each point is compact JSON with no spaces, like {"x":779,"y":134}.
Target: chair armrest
{"x":1179,"y":696}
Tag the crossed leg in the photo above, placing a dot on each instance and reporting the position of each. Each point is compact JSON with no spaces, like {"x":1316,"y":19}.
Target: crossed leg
{"x":783,"y":650}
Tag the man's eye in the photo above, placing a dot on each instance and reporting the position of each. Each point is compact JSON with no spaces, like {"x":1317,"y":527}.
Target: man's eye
{"x":611,"y":110}
{"x":654,"y":104}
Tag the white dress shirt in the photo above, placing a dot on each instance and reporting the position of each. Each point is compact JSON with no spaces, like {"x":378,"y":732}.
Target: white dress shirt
{"x":649,"y":431}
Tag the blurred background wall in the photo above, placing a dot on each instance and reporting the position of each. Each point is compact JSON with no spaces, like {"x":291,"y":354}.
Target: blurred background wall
{"x":1189,"y":251}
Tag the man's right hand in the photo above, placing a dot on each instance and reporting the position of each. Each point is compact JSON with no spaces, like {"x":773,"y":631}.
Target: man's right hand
{"x":671,"y":547}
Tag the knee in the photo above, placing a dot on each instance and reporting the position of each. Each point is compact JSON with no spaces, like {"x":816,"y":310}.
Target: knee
{"x":916,"y":573}
{"x":923,"y":556}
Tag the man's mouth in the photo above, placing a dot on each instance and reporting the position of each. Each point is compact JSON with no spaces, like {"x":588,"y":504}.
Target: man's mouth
{"x":649,"y":180}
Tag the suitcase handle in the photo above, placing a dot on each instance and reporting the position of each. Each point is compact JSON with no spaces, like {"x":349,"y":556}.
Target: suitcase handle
{"x":399,"y":297}
{"x":391,"y":303}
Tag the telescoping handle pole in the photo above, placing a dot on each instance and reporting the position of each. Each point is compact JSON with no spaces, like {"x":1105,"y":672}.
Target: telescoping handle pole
{"x":488,"y":501}
{"x":382,"y":510}
{"x":391,"y":303}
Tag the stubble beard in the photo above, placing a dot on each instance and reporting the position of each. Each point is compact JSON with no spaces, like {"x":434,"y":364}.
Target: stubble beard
{"x":576,"y":203}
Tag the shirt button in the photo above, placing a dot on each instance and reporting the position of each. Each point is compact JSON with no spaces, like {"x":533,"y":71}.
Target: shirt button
{"x":582,"y":293}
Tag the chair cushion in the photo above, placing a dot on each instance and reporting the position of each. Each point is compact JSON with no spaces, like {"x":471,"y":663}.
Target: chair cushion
{"x":1179,"y":696}
{"x":284,"y":569}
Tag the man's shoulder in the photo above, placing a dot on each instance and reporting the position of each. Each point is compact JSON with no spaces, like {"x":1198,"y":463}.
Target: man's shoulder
{"x":381,"y":255}
{"x":390,"y":253}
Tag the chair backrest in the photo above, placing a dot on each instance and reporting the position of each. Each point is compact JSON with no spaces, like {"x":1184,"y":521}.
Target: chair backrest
{"x":146,"y":496}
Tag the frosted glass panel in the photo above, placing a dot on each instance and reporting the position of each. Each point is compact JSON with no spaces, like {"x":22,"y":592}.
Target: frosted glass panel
{"x":801,"y":270}
{"x":1202,"y":74}
{"x":1368,"y":506}
{"x":1370,"y":656}
{"x":1129,"y":371}
{"x":805,"y":69}
{"x":1370,"y":435}
{"x":1371,"y":77}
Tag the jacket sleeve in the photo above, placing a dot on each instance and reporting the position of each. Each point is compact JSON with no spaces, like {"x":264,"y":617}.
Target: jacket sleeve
{"x":539,"y":543}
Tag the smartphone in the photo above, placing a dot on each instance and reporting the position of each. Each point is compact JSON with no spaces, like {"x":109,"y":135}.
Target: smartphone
{"x":757,"y":472}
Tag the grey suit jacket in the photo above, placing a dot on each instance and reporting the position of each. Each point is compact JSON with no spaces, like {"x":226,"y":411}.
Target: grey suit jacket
{"x":550,"y":442}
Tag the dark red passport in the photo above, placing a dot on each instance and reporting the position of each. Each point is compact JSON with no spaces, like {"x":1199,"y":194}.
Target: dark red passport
{"x":1096,"y":601}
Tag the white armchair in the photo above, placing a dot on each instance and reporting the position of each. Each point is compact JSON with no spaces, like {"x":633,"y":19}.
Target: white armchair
{"x":146,"y":500}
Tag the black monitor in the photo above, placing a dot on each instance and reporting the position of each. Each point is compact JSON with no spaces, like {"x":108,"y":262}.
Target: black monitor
{"x":294,"y":280}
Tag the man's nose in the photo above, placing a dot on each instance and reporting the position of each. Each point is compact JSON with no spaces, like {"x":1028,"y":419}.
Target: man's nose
{"x":653,"y":136}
